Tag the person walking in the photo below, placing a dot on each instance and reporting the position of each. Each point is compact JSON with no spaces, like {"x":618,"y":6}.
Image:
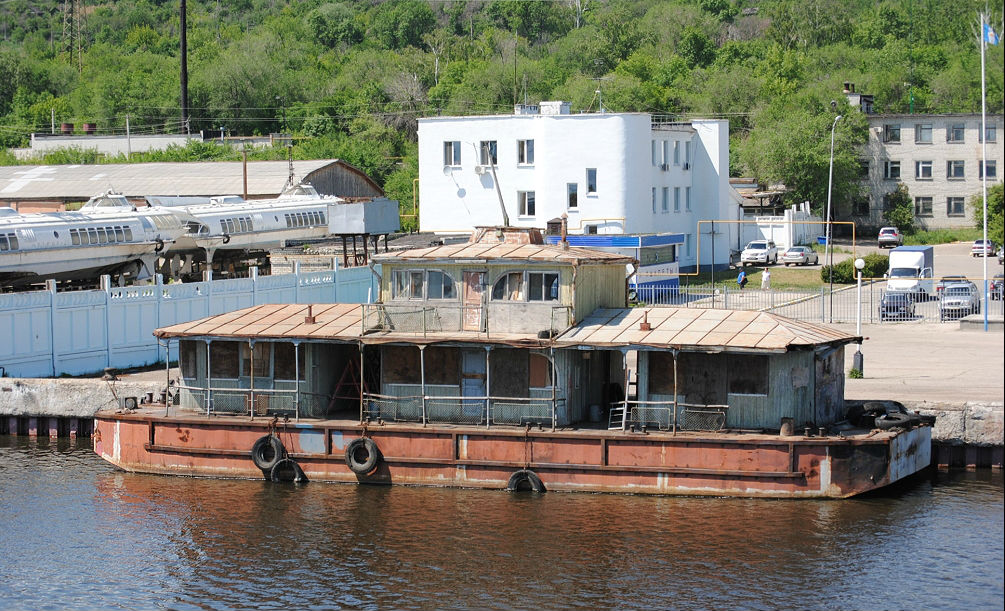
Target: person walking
{"x":742,"y":279}
{"x":766,"y":280}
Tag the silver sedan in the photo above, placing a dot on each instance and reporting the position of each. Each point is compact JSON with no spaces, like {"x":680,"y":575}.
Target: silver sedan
{"x":799,"y":255}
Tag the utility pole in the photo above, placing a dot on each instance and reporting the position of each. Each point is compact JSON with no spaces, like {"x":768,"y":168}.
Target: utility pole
{"x":184,"y":69}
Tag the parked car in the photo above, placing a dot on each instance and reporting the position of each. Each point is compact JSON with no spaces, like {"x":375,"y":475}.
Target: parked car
{"x":958,"y":300}
{"x":943,"y":281}
{"x":1001,"y":260}
{"x":982,"y":248}
{"x":890,"y":237}
{"x":800,"y":255}
{"x":896,"y":306}
{"x":759,"y":251}
{"x":995,"y":287}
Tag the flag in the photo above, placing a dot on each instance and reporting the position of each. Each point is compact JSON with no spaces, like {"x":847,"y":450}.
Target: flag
{"x":989,"y":35}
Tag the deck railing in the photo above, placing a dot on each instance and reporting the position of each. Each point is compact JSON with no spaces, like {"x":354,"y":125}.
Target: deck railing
{"x":239,"y":401}
{"x":667,"y":415}
{"x":484,"y":410}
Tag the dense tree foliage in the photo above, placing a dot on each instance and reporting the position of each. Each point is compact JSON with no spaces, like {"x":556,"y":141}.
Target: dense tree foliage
{"x":349,"y":79}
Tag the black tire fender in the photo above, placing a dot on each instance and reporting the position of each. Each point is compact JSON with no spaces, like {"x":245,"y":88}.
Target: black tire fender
{"x":362,"y":455}
{"x":524,"y":480}
{"x":267,"y":452}
{"x":894,"y":419}
{"x":288,"y":470}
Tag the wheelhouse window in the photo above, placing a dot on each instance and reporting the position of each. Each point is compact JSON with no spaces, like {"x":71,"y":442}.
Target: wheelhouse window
{"x":525,"y":152}
{"x":509,"y":287}
{"x":262,"y":361}
{"x":286,"y":356}
{"x":223,"y":360}
{"x":488,"y":152}
{"x":748,"y":374}
{"x":542,"y":286}
{"x":422,"y":284}
{"x":591,"y":181}
{"x":452,"y":153}
{"x":527,"y":203}
{"x":189,"y":357}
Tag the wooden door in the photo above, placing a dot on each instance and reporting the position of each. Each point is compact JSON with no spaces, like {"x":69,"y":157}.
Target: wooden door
{"x":474,"y":286}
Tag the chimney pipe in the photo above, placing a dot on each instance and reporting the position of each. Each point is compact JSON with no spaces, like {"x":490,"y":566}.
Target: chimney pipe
{"x":309,"y":319}
{"x":565,"y":231}
{"x":644,"y":325}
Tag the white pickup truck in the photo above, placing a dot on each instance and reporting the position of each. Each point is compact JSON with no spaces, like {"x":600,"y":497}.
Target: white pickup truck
{"x":759,"y":251}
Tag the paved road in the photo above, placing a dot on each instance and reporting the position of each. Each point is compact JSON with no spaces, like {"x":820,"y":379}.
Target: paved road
{"x":928,"y":362}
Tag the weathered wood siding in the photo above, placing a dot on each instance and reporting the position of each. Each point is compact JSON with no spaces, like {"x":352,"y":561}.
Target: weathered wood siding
{"x":599,"y":286}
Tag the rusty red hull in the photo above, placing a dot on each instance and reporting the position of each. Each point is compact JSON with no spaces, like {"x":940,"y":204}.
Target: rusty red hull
{"x":718,"y":464}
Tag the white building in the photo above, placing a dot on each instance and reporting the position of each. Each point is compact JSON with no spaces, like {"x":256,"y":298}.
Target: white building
{"x":937,"y":157}
{"x":611,"y":173}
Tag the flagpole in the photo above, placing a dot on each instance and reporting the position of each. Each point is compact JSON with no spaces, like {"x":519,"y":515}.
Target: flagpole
{"x":984,"y":165}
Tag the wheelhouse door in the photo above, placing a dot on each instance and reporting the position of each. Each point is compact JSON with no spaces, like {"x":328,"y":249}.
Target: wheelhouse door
{"x":473,"y":384}
{"x":474,"y":285}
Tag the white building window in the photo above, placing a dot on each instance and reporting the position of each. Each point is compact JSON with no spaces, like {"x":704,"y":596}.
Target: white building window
{"x":655,"y":152}
{"x":955,"y":206}
{"x":666,"y":152}
{"x":688,"y":245}
{"x":526,"y":202}
{"x":923,"y":206}
{"x":676,"y":152}
{"x":654,"y":200}
{"x":591,"y":181}
{"x":572,"y":195}
{"x":923,"y":133}
{"x":488,"y":154}
{"x":991,"y":134}
{"x":452,"y":153}
{"x":955,"y":169}
{"x":992,"y":169}
{"x":687,"y":154}
{"x":525,"y":152}
{"x":687,"y":198}
{"x":891,"y":170}
{"x":676,"y":199}
{"x":891,"y":132}
{"x":955,"y":132}
{"x":666,"y":199}
{"x":923,"y":170}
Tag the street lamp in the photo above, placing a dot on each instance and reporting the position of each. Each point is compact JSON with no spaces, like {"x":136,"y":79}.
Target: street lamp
{"x":828,"y":248}
{"x":857,"y":361}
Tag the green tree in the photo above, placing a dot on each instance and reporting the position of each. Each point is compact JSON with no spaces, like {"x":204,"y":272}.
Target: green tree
{"x":335,"y":25}
{"x":899,"y":209}
{"x":696,"y":48}
{"x":996,"y":219}
{"x":401,"y":24}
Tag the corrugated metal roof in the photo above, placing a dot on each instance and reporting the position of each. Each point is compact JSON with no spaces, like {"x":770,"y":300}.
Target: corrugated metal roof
{"x":504,"y":253}
{"x":265,"y":178}
{"x":698,"y":329}
{"x":332,"y":322}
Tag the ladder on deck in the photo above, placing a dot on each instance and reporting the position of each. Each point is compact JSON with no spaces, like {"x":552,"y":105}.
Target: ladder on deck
{"x":618,"y":420}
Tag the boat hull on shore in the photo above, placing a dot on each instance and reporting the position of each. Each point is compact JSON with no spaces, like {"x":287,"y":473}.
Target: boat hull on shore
{"x":591,"y":460}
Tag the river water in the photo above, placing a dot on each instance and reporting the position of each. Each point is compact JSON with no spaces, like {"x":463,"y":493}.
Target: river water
{"x":77,"y":534}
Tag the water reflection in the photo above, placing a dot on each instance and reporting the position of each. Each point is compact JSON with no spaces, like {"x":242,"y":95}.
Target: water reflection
{"x":179,"y":542}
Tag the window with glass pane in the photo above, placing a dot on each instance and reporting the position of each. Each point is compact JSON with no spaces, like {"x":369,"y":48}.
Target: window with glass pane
{"x":860,"y":206}
{"x":923,"y":206}
{"x":440,"y":285}
{"x":990,"y":134}
{"x":223,"y":359}
{"x":992,"y":168}
{"x":415,"y":284}
{"x":189,"y":357}
{"x":863,"y":168}
{"x":653,"y":148}
{"x":263,"y":365}
{"x":509,"y":287}
{"x":527,"y":203}
{"x":923,"y":133}
{"x":666,"y":152}
{"x":525,"y":152}
{"x":452,"y":152}
{"x":591,"y":180}
{"x":676,"y":199}
{"x":399,"y":284}
{"x":922,"y":170}
{"x":955,"y":132}
{"x":891,"y":132}
{"x":488,"y":154}
{"x":572,"y":191}
{"x":654,"y":199}
{"x":954,"y":169}
{"x":955,"y":206}
{"x":542,"y":286}
{"x":687,"y":198}
{"x":891,"y":170}
{"x":676,"y":152}
{"x":666,"y":199}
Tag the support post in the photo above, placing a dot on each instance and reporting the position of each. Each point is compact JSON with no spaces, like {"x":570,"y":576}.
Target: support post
{"x":362,"y":374}
{"x":296,"y":377}
{"x":624,"y":394}
{"x":554,"y":395}
{"x":209,"y":379}
{"x":422,"y":379}
{"x":251,"y":393}
{"x":488,"y":385}
{"x":675,"y":353}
